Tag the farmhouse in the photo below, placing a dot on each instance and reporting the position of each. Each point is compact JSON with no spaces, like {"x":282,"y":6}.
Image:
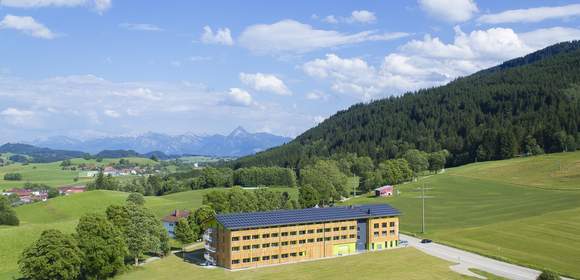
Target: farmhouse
{"x":170,"y":221}
{"x":384,"y":191}
{"x":27,"y":195}
{"x":245,"y":240}
{"x":68,"y":190}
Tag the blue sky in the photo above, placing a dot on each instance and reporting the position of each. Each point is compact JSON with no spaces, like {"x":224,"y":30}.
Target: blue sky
{"x":90,"y":68}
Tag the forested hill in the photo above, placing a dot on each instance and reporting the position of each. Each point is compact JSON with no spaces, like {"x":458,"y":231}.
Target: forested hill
{"x":528,"y":105}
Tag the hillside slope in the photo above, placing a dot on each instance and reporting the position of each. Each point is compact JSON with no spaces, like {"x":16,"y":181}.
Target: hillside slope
{"x":523,"y":105}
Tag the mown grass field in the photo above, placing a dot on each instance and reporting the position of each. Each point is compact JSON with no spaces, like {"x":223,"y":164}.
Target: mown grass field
{"x":63,"y":212}
{"x":407,"y":263}
{"x":51,"y":173}
{"x":524,"y":210}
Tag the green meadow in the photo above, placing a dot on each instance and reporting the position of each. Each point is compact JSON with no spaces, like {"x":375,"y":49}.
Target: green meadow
{"x":51,"y":173}
{"x":63,"y":213}
{"x":524,"y":210}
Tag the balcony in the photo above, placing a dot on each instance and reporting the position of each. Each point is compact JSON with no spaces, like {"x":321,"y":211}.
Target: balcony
{"x":207,"y":237}
{"x":209,"y":247}
{"x":209,"y":258}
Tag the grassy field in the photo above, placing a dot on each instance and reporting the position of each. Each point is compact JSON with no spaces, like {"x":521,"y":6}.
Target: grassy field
{"x":51,"y":173}
{"x":405,"y":263}
{"x":63,"y":212}
{"x":524,"y":210}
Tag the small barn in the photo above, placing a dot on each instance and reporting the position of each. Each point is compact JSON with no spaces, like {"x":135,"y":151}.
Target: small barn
{"x":384,"y":191}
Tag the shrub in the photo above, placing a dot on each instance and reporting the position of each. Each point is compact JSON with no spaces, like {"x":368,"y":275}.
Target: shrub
{"x":12,"y":176}
{"x":548,"y":275}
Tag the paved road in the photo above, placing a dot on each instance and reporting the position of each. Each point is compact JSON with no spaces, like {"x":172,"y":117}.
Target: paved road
{"x":466,"y":260}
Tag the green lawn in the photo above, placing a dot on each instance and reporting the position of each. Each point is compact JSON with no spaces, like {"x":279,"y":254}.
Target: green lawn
{"x":51,"y":173}
{"x":522,"y":210}
{"x":405,"y":263}
{"x":63,"y":212}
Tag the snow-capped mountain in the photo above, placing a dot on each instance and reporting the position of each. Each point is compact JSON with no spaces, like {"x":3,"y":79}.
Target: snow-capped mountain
{"x":238,"y":143}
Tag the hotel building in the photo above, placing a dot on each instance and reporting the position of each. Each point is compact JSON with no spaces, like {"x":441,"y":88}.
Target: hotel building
{"x":244,"y":240}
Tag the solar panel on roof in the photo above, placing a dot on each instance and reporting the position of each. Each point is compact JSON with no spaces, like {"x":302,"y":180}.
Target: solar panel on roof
{"x":308,"y":215}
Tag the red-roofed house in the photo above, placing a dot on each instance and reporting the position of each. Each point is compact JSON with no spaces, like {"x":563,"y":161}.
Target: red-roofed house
{"x":170,"y":221}
{"x":384,"y":191}
{"x":66,"y":190}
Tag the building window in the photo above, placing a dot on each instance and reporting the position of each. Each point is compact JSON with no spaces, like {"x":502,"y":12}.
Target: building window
{"x":274,"y":257}
{"x":384,"y":233}
{"x":265,"y":245}
{"x":285,"y":243}
{"x":235,"y":261}
{"x":266,"y":235}
{"x":292,"y":233}
{"x":319,"y":239}
{"x":336,"y":229}
{"x":302,"y":232}
{"x":275,"y":234}
{"x":376,"y":234}
{"x":310,"y":231}
{"x":319,"y":230}
{"x":358,"y":237}
{"x":247,"y":237}
{"x":284,"y":256}
{"x":293,"y":242}
{"x":235,"y":249}
{"x":275,"y":244}
{"x":392,"y":224}
{"x":257,"y":236}
{"x":392,"y":232}
{"x":246,"y":247}
{"x":285,"y":234}
{"x":351,"y":227}
{"x":357,"y":228}
{"x":301,"y":254}
{"x":247,"y":260}
{"x":311,"y":240}
{"x":327,"y":238}
{"x":343,"y":228}
{"x":344,"y":237}
{"x":256,"y":246}
{"x":302,"y":241}
{"x":376,"y":225}
{"x":236,"y":238}
{"x":351,"y":236}
{"x":266,"y":258}
{"x":255,"y":259}
{"x":293,"y":254}
{"x":336,"y":237}
{"x":327,"y":230}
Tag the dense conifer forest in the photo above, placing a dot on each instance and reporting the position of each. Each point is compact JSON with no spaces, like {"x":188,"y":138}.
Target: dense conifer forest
{"x":529,"y":105}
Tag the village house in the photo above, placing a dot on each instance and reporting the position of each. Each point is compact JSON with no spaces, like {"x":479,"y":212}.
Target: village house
{"x":68,"y":190}
{"x":384,"y":191}
{"x":27,"y":195}
{"x":171,"y":220}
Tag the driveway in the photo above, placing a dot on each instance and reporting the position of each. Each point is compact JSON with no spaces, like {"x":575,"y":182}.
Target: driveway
{"x":465,"y":260}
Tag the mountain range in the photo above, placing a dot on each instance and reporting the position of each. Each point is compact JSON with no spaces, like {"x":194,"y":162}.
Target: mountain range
{"x":238,"y":143}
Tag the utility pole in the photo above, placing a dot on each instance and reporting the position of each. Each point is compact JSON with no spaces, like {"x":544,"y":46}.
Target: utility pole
{"x":423,"y":197}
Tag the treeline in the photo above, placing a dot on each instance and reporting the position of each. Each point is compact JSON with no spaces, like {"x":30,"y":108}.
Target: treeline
{"x":239,"y":200}
{"x":524,"y":107}
{"x":101,"y":247}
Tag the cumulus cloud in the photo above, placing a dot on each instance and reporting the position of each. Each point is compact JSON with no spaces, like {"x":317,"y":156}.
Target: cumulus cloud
{"x":450,"y":10}
{"x":431,"y":61}
{"x":357,"y":16}
{"x":222,"y":36}
{"x":265,"y":82}
{"x":18,"y":117}
{"x":293,"y":36}
{"x":316,"y":95}
{"x":140,"y":27}
{"x":98,"y":5}
{"x":330,"y":19}
{"x":27,"y":25}
{"x":239,"y":97}
{"x":112,"y":113}
{"x":532,"y":14}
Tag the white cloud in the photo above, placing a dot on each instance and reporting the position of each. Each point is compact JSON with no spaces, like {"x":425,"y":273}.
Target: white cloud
{"x":316,"y":95}
{"x":199,"y":58}
{"x":239,"y":97}
{"x":330,"y":19}
{"x":27,"y":25}
{"x":98,"y":5}
{"x":362,"y":16}
{"x":450,"y":10}
{"x":430,"y":62}
{"x":265,"y":82}
{"x":222,"y":36}
{"x":17,"y":116}
{"x":532,"y":14}
{"x":140,"y":27}
{"x":293,"y":36}
{"x":112,"y":113}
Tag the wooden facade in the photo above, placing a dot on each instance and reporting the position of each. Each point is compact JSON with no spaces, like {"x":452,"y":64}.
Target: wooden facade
{"x":244,"y":248}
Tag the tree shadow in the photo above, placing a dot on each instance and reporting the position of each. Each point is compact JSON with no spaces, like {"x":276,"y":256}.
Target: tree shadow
{"x":194,"y":257}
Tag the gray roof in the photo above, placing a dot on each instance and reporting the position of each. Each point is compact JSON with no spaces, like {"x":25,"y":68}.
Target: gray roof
{"x":304,"y":216}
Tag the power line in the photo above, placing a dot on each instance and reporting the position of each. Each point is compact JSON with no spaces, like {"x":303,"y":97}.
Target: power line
{"x":423,"y":197}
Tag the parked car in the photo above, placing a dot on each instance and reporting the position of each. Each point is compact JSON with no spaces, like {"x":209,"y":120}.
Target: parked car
{"x":425,"y":241}
{"x":403,"y":243}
